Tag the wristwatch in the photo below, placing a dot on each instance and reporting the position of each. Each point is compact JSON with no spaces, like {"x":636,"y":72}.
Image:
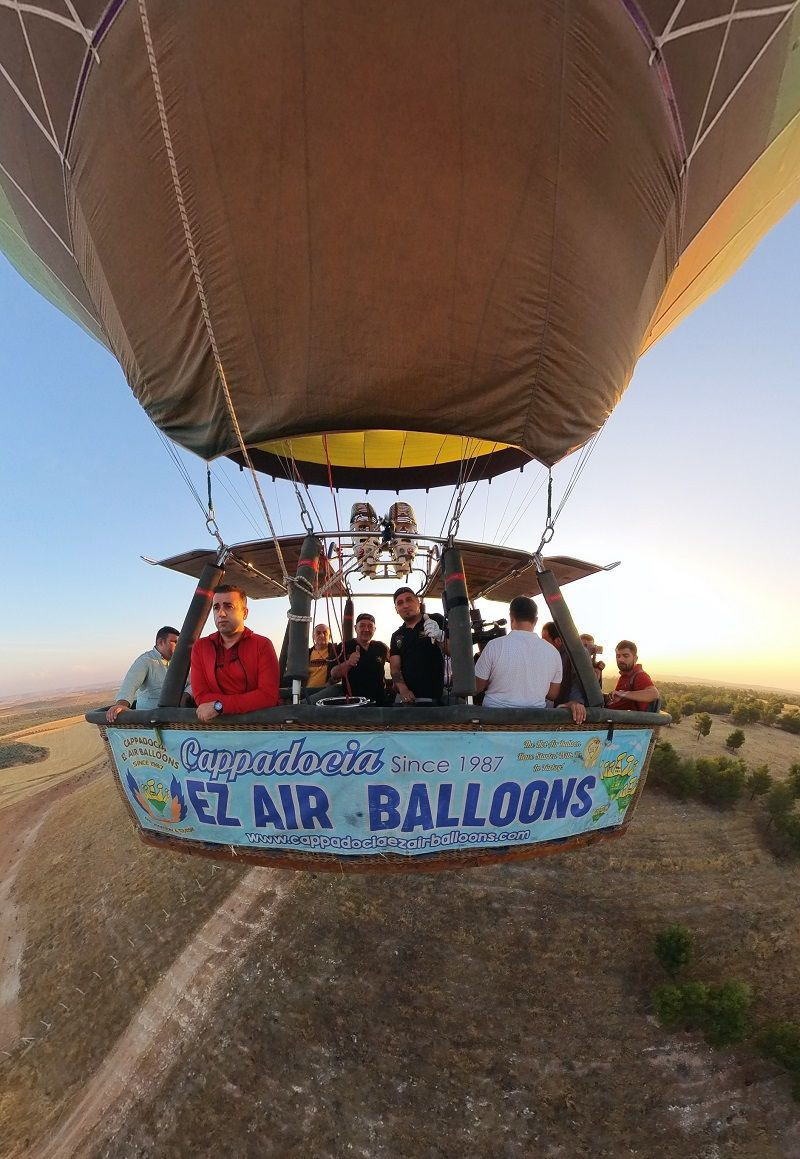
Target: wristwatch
{"x":217,"y":706}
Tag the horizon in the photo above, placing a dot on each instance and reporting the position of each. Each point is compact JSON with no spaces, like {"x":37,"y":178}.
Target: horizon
{"x":103,"y":686}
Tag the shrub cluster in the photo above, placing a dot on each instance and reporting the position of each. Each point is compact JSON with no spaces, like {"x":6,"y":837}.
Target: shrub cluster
{"x":720,"y":1011}
{"x":17,"y":753}
{"x":784,"y":816}
{"x":718,"y":781}
{"x":721,"y":781}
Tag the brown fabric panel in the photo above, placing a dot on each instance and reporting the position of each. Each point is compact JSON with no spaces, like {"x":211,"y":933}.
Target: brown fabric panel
{"x":440,"y":215}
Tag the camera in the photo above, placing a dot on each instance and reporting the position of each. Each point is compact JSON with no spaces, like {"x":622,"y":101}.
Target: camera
{"x":485,"y":630}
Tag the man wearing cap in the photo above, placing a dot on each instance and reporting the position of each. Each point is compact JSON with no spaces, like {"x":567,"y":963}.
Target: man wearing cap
{"x":361,"y":672}
{"x":417,"y":651}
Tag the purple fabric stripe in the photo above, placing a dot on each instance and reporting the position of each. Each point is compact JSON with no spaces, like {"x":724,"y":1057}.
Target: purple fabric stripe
{"x":98,"y":36}
{"x":642,"y":24}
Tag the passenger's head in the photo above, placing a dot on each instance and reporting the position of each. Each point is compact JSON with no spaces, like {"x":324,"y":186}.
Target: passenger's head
{"x":166,"y":639}
{"x":587,"y":640}
{"x":322,"y":635}
{"x":551,"y":634}
{"x":627,"y":655}
{"x":230,"y":609}
{"x":522,"y":612}
{"x":407,"y":604}
{"x":365,"y":628}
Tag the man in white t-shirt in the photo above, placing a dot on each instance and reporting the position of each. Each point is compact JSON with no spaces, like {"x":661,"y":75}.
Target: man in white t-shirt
{"x":521,"y":670}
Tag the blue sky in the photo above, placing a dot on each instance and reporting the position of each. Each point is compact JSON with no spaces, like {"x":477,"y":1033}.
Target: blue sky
{"x":693,"y":484}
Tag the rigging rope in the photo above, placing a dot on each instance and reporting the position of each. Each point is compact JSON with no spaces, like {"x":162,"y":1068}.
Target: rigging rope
{"x":192,"y":252}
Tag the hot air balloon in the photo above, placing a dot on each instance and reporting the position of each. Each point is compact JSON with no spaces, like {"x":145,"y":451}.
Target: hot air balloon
{"x":380,"y":247}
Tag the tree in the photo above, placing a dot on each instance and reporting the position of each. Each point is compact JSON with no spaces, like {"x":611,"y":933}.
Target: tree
{"x":702,"y":724}
{"x":794,"y":779}
{"x":790,"y":721}
{"x":721,"y":780}
{"x":746,"y":712}
{"x":759,"y":781}
{"x":669,"y":771}
{"x":727,"y":1013}
{"x":780,"y":802}
{"x":735,"y":740}
{"x":673,"y":707}
{"x":674,"y":948}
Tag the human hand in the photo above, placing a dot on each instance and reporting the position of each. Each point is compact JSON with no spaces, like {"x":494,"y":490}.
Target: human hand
{"x":355,"y":656}
{"x":115,"y":710}
{"x":432,"y":630}
{"x":577,"y":709}
{"x":207,"y":712}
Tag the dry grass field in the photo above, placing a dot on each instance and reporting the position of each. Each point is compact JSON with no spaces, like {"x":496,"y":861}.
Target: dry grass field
{"x":762,"y":744}
{"x":499,"y":1012}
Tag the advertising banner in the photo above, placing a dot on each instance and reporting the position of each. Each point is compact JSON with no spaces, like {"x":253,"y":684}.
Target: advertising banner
{"x":365,"y":793}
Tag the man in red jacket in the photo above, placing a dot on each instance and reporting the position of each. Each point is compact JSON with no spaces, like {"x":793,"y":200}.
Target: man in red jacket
{"x":233,"y":670}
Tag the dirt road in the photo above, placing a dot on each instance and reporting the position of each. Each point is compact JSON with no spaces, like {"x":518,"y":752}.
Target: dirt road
{"x":171,"y":1015}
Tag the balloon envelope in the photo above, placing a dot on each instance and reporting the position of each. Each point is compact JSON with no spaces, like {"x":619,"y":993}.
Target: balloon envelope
{"x":373,"y":242}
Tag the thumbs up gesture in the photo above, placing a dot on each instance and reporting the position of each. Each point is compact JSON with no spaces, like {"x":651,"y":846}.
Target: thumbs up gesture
{"x":355,"y":656}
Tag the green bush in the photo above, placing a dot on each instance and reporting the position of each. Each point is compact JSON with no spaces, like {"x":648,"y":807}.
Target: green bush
{"x":746,"y":712}
{"x":674,"y":948}
{"x":759,"y":782}
{"x":735,"y":740}
{"x":673,"y":707}
{"x":702,"y":724}
{"x":726,"y":1018}
{"x":669,"y":1006}
{"x":721,"y":780}
{"x":780,"y":801}
{"x":794,"y":779}
{"x":721,"y":1012}
{"x":790,"y":721}
{"x":669,"y":771}
{"x":780,"y":1043}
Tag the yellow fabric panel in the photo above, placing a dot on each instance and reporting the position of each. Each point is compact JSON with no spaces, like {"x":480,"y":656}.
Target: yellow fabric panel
{"x":381,"y":448}
{"x":767,"y":192}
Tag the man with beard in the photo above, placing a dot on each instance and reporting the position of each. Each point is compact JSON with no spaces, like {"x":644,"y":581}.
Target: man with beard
{"x":417,"y":651}
{"x":635,"y":690}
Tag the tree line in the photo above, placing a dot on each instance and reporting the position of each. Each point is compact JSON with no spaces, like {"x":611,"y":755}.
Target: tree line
{"x":743,"y":705}
{"x":723,"y":781}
